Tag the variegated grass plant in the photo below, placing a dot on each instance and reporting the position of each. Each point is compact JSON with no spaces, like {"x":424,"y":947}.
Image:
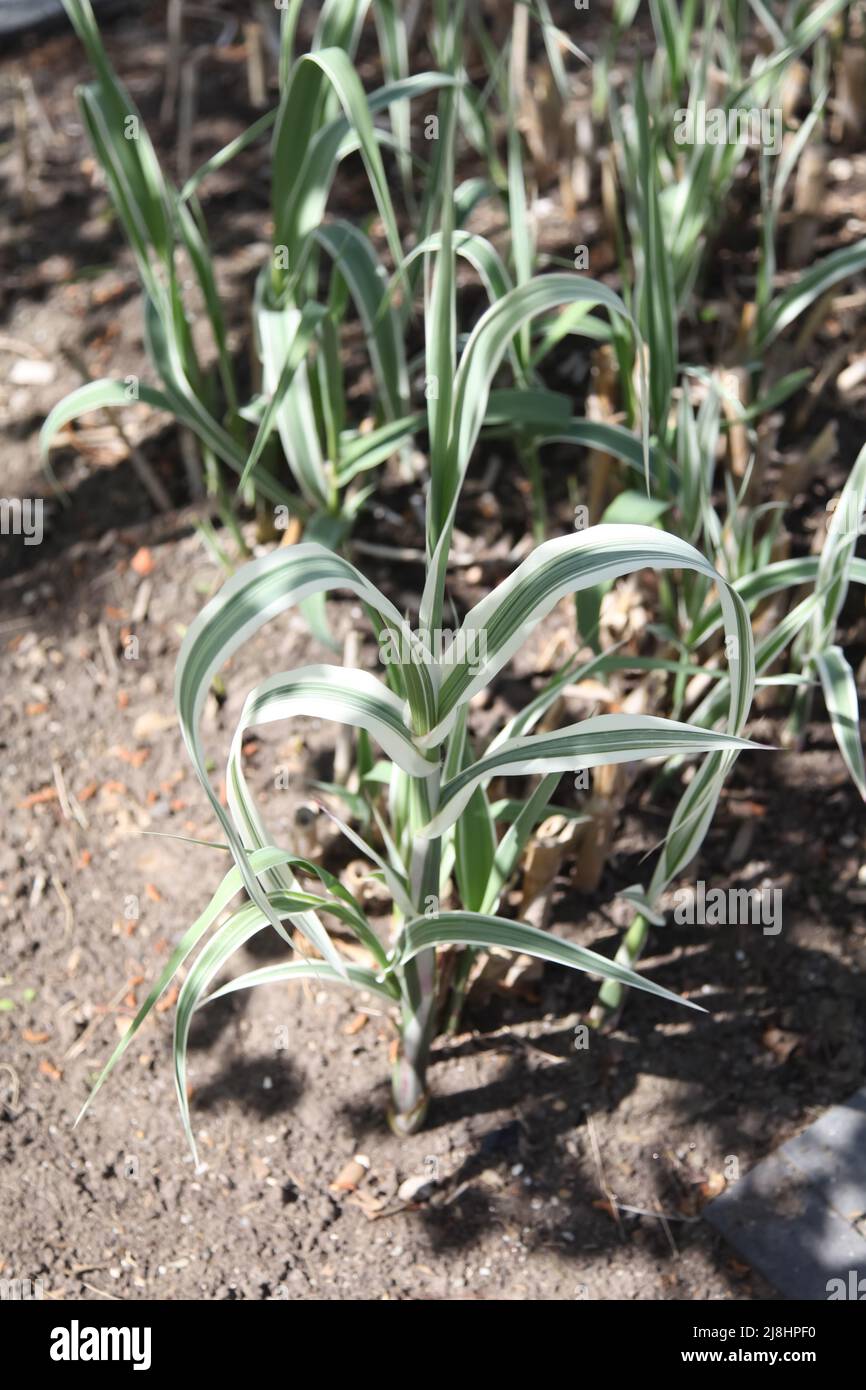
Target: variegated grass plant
{"x":675,"y":196}
{"x":675,"y":193}
{"x":438,"y":846}
{"x":674,"y":200}
{"x":805,"y":639}
{"x":671,"y":208}
{"x":671,"y":217}
{"x":323,"y":116}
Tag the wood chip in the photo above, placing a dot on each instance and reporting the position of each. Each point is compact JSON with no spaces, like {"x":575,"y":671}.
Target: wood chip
{"x":142,"y":562}
{"x":351,"y":1175}
{"x":39,"y":798}
{"x":356,"y":1024}
{"x":168,"y":1000}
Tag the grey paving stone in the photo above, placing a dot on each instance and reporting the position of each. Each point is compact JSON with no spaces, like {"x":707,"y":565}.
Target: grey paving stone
{"x":833,"y":1152}
{"x":800,"y":1216}
{"x":26,"y":14}
{"x":18,"y":15}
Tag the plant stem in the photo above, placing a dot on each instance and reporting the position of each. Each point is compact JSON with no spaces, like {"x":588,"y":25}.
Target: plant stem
{"x":798,"y":719}
{"x":529,"y":452}
{"x":409,"y":1078}
{"x":458,"y":989}
{"x":609,"y":999}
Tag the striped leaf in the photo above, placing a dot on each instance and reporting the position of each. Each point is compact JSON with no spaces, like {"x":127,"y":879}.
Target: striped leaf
{"x":840,"y":694}
{"x":335,"y":693}
{"x":261,"y":861}
{"x":596,"y":742}
{"x":305,"y":158}
{"x":285,"y":339}
{"x":481,"y":358}
{"x":752,"y":588}
{"x":496,"y":627}
{"x":812,"y":284}
{"x":482,"y":932}
{"x":249,"y":599}
{"x":355,"y":257}
{"x":837,"y":564}
{"x":229,"y":938}
{"x":474,"y":831}
{"x":289,"y":971}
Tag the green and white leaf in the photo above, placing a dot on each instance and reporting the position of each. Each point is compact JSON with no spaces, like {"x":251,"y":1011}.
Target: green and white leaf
{"x":595,"y":742}
{"x":840,"y":694}
{"x":497,"y":626}
{"x":482,"y":932}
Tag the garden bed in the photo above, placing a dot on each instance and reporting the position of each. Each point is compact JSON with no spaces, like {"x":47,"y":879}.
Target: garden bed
{"x":556,"y":1172}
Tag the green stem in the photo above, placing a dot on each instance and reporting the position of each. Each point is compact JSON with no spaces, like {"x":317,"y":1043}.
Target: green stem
{"x":409,"y":1078}
{"x":458,"y":990}
{"x":418,"y":977}
{"x":798,"y":719}
{"x":610,"y":997}
{"x":532,"y":464}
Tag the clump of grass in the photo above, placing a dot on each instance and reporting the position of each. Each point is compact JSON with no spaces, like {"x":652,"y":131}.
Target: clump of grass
{"x":423,"y":818}
{"x":323,"y":115}
{"x":440,"y":840}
